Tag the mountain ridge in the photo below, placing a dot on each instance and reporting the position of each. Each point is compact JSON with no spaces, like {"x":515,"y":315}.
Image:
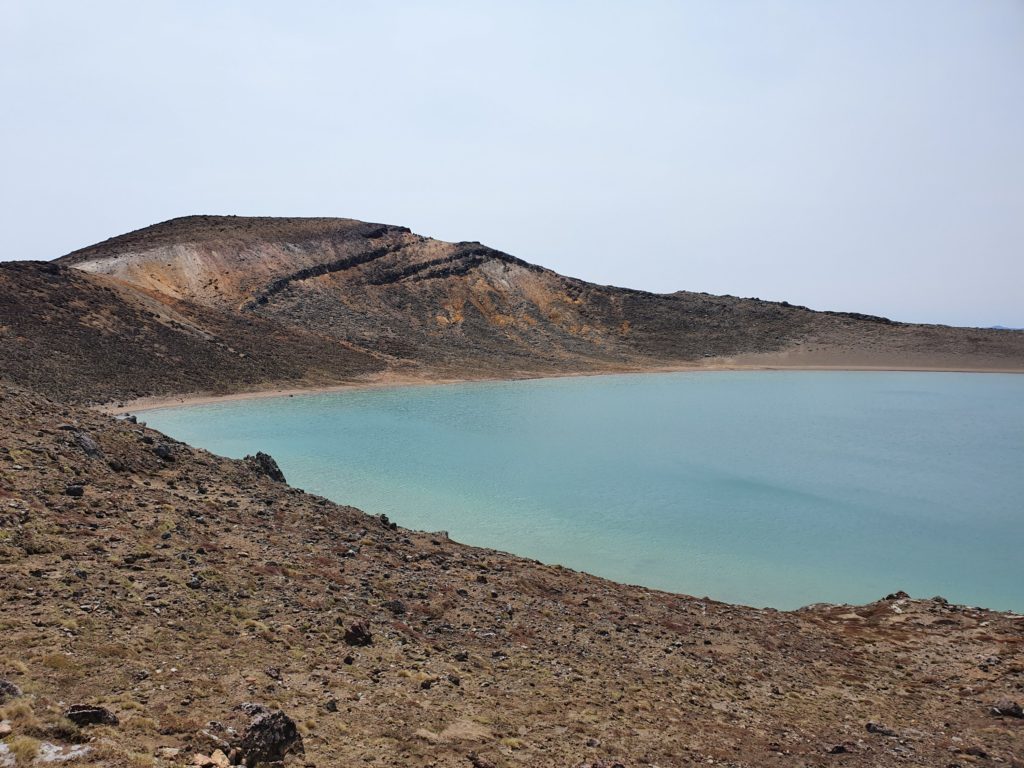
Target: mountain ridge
{"x":200,"y":227}
{"x":225,"y":304}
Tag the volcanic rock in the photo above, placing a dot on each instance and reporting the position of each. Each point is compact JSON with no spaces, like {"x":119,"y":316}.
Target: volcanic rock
{"x":89,"y":446}
{"x":269,"y":737}
{"x":358,"y":634}
{"x":881,"y":730}
{"x":88,"y":714}
{"x":1008,"y":709}
{"x":8,"y":691}
{"x":264,"y":464}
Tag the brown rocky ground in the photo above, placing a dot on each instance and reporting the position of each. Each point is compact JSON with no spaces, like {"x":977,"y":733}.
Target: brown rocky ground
{"x":85,"y":339}
{"x":179,"y":584}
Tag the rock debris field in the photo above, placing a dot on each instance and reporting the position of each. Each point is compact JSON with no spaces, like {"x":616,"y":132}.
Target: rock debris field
{"x":163,"y":606}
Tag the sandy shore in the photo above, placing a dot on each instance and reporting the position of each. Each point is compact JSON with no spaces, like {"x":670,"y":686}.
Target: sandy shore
{"x":390,"y":379}
{"x":385,"y":380}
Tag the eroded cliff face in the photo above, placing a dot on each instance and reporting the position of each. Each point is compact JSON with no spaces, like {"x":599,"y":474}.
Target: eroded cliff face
{"x":402,"y":294}
{"x":220,"y":303}
{"x":228,"y":261}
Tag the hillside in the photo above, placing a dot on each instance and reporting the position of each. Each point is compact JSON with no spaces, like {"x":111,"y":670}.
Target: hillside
{"x":222,"y":304}
{"x":165,"y":607}
{"x":168,"y":587}
{"x":82,"y":338}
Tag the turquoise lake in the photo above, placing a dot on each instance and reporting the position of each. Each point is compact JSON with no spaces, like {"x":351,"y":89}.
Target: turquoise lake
{"x":766,"y":488}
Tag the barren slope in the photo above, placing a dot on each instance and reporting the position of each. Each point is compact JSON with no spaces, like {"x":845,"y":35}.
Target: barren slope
{"x":82,"y":338}
{"x":180,"y":584}
{"x":466,"y":309}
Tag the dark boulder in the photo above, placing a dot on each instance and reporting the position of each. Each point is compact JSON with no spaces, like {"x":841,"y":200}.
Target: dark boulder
{"x":269,"y":737}
{"x":359,"y":634}
{"x":88,"y":445}
{"x":264,"y":464}
{"x":75,"y":491}
{"x":1007,"y":709}
{"x":479,"y":762}
{"x":88,"y":714}
{"x":164,"y":451}
{"x":8,"y":691}
{"x":397,"y":607}
{"x":880,"y":729}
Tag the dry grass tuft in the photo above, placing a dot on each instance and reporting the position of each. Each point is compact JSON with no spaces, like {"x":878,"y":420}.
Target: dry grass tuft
{"x":58,"y":661}
{"x":8,"y":665}
{"x":21,"y":715}
{"x":24,"y":749}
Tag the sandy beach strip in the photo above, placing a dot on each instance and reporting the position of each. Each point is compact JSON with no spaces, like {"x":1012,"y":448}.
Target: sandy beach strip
{"x":391,"y":379}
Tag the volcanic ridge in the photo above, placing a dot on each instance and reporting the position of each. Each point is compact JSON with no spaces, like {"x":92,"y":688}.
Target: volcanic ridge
{"x":163,"y":606}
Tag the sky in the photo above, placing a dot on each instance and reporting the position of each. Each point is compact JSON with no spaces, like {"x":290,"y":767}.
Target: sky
{"x":861,"y":155}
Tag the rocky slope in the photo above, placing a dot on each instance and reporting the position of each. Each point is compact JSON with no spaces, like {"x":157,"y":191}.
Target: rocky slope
{"x":164,"y":587}
{"x":220,"y":304}
{"x":446,"y":305}
{"x":88,"y":339}
{"x":160,"y":602}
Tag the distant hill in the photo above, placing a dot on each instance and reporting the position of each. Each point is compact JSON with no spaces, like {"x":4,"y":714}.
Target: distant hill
{"x":224,"y":303}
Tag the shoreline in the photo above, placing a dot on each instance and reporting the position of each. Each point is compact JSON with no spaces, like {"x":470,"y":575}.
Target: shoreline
{"x":396,"y":381}
{"x":524,"y":639}
{"x":392,"y":380}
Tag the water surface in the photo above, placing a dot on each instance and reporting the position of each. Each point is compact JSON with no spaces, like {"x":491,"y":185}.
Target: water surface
{"x":766,"y":488}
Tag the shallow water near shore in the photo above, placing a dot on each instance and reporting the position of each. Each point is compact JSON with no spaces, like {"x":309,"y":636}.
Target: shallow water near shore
{"x":767,"y":488}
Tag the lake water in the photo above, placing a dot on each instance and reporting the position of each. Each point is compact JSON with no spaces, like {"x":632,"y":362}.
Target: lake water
{"x":765,"y":488}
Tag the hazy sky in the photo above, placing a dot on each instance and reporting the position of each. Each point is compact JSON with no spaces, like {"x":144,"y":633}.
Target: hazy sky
{"x":845,"y":155}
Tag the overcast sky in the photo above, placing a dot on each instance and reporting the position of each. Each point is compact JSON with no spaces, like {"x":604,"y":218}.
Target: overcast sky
{"x":852,"y":155}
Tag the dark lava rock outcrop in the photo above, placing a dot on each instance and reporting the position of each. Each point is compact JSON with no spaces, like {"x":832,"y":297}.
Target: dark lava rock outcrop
{"x":269,"y":738}
{"x":265,"y":464}
{"x":88,"y":714}
{"x":8,"y":691}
